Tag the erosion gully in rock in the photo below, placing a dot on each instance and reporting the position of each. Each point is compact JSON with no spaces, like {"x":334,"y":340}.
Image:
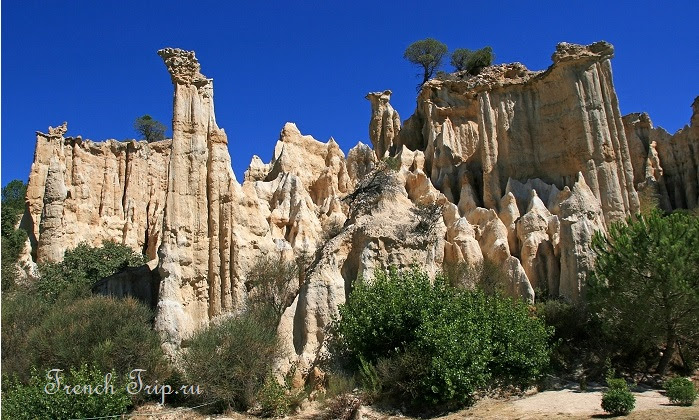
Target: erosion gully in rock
{"x":524,"y":165}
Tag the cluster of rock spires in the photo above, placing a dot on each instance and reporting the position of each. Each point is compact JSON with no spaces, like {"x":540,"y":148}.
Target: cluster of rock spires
{"x":524,"y":166}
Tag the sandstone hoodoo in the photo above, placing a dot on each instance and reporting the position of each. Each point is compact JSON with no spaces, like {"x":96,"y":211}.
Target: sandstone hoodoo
{"x":514,"y":167}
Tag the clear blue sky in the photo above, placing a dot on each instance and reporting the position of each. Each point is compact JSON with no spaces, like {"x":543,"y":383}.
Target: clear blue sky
{"x":94,"y":63}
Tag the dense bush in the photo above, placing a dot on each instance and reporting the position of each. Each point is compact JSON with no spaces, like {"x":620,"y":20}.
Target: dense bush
{"x":111,"y":334}
{"x":31,"y":401}
{"x":472,"y":61}
{"x":681,"y":391}
{"x":231,"y":360}
{"x":435,"y":344}
{"x":81,"y":267}
{"x":618,"y":402}
{"x":21,"y":313}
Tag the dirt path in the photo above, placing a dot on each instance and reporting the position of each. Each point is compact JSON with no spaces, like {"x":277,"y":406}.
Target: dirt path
{"x":566,"y":403}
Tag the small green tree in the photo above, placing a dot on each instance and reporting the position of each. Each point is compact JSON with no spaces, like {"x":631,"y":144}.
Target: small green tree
{"x":245,"y":348}
{"x":427,"y":53}
{"x":150,"y":129}
{"x":649,"y":265}
{"x":472,"y":61}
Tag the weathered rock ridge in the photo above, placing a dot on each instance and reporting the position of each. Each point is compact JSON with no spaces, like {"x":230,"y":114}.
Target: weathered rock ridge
{"x":516,"y":167}
{"x":82,"y":191}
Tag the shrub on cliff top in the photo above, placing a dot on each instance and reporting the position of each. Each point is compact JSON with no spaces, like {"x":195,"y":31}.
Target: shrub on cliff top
{"x":426,"y":53}
{"x":472,"y":61}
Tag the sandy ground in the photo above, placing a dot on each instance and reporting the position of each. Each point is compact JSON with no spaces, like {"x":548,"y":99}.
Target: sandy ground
{"x":566,"y":403}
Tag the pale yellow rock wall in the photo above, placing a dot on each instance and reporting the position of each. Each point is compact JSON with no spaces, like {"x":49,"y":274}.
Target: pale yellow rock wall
{"x":93,"y":192}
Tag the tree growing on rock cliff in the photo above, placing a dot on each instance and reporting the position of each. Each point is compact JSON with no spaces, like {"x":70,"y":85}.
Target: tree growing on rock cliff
{"x":645,"y":286}
{"x":150,"y":129}
{"x":472,"y":61}
{"x":427,"y":53}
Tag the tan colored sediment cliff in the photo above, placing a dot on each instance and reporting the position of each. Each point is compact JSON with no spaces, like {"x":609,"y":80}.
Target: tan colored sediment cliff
{"x":517,"y":167}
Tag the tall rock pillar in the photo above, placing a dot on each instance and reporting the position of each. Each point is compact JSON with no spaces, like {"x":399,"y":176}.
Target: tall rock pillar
{"x":197,"y":201}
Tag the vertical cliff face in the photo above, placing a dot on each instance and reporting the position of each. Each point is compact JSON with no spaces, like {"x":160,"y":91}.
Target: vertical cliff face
{"x":82,"y":191}
{"x":669,"y":164}
{"x":516,"y":142}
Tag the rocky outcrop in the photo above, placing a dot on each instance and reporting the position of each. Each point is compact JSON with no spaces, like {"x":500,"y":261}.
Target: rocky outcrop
{"x":509,"y":122}
{"x":510,"y":167}
{"x":141,"y":283}
{"x":83,"y":191}
{"x":667,"y":163}
{"x":384,"y":124}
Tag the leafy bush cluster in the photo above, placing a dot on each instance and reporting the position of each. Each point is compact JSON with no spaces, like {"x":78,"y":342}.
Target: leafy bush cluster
{"x":432,"y":344}
{"x":30,"y":400}
{"x":81,"y":267}
{"x":681,"y":391}
{"x":59,"y":326}
{"x":472,"y":61}
{"x":618,"y":400}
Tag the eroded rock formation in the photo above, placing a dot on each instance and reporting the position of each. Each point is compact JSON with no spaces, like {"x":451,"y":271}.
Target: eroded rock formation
{"x":82,"y":191}
{"x":512,"y":167}
{"x":384,"y":124}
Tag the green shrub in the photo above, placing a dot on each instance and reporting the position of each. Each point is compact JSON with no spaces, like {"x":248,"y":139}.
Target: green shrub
{"x":245,"y":348}
{"x":472,"y":61}
{"x":273,"y":398}
{"x":438,"y":344}
{"x":381,"y":317}
{"x":339,"y":383}
{"x":681,"y":391}
{"x":81,"y":267}
{"x":617,"y":383}
{"x":20,"y":314}
{"x":273,"y":282}
{"x":31,"y":401}
{"x":618,"y":402}
{"x":111,"y":334}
